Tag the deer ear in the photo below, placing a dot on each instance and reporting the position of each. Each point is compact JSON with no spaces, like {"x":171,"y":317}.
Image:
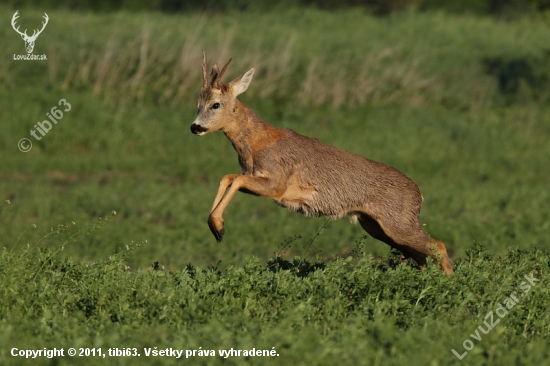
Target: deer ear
{"x":215,"y":71}
{"x":240,"y":84}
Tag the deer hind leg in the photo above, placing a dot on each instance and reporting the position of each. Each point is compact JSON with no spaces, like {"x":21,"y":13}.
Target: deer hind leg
{"x":445,"y":263}
{"x":412,"y":242}
{"x":372,"y":227}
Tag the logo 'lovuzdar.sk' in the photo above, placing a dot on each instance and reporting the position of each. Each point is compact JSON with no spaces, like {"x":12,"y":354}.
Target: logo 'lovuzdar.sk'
{"x":29,"y":40}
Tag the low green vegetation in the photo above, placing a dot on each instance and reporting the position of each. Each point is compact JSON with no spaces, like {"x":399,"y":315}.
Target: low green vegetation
{"x":356,"y":310}
{"x":458,"y":103}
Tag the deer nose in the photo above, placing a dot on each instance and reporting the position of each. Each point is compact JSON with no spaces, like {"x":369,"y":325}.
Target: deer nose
{"x":196,"y":129}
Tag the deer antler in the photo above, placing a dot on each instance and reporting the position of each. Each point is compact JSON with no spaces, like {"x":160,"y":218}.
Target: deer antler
{"x":13,"y":19}
{"x":218,"y":79}
{"x":204,"y":75}
{"x":214,"y":74}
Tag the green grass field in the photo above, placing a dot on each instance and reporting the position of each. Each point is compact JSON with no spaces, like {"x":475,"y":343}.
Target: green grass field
{"x":458,"y":103}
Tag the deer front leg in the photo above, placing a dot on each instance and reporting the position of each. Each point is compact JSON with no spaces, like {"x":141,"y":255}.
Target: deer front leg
{"x":226,"y":181}
{"x":262,"y":186}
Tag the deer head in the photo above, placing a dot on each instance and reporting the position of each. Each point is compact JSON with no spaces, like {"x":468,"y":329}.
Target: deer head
{"x":29,"y":40}
{"x":217,"y":100}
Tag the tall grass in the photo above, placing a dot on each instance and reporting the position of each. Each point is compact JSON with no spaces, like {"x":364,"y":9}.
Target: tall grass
{"x":410,"y":59}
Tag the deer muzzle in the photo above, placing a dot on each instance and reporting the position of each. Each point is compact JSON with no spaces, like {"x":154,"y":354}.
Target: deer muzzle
{"x":198,"y":129}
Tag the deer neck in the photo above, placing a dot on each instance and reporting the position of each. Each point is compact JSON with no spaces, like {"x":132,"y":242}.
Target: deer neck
{"x":249,"y":134}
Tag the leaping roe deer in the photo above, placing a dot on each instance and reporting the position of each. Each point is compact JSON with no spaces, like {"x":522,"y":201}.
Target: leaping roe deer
{"x":307,"y":176}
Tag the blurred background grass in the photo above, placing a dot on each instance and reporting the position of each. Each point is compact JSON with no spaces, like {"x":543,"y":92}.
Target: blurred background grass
{"x":456,"y":97}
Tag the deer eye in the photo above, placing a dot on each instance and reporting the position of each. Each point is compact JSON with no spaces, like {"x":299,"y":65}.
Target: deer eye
{"x":215,"y":106}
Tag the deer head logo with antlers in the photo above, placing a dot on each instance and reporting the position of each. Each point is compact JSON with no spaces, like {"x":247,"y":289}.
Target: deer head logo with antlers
{"x":29,"y":40}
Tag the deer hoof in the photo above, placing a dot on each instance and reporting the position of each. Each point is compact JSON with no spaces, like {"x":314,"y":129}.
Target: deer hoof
{"x":216,"y":227}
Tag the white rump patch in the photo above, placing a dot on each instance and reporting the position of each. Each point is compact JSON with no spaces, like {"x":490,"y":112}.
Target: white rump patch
{"x":353,"y":217}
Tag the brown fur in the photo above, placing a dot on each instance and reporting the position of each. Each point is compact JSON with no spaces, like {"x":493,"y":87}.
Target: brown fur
{"x":307,"y":176}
